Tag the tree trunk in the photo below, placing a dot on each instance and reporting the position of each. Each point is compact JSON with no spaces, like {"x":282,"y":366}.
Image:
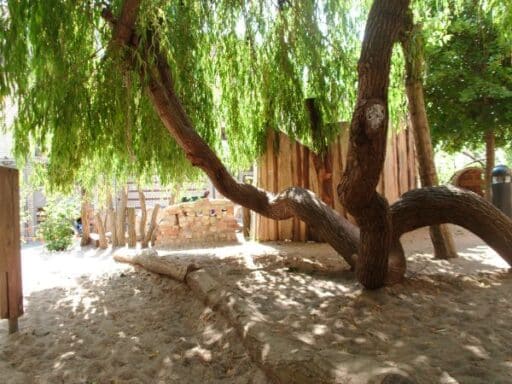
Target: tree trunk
{"x":112,"y":227}
{"x":84,"y":215}
{"x":367,"y":142}
{"x":489,"y":162}
{"x":143,"y":215}
{"x":412,"y":45}
{"x":152,"y":226}
{"x":132,"y":234}
{"x":121,"y":219}
{"x":103,"y":244}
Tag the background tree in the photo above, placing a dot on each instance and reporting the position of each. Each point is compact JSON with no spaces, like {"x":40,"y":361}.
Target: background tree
{"x":469,"y":81}
{"x":413,"y":47}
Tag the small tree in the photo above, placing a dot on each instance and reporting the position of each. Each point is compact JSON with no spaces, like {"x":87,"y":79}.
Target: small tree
{"x":57,"y":228}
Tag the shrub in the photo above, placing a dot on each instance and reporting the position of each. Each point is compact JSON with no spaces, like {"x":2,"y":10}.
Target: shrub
{"x":57,"y":229}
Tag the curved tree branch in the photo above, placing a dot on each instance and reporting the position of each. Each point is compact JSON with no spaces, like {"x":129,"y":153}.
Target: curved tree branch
{"x":448,"y":204}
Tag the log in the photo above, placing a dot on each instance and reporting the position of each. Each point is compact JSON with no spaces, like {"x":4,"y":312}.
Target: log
{"x":103,"y":244}
{"x":152,"y":226}
{"x":149,"y":260}
{"x":132,"y":235}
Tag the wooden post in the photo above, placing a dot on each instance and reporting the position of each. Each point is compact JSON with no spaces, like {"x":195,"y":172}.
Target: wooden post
{"x":143,"y":215}
{"x":132,"y":235}
{"x":246,"y":218}
{"x":11,"y":295}
{"x":152,"y":226}
{"x":112,"y":226}
{"x":103,"y":244}
{"x":121,"y":218}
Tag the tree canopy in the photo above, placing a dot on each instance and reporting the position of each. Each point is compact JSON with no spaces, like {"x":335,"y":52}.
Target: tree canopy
{"x":239,"y":68}
{"x":469,"y":76}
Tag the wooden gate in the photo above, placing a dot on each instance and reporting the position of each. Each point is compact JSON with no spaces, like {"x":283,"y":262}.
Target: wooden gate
{"x":11,"y":297}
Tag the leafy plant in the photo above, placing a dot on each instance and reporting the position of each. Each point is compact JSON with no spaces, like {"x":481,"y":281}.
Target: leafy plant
{"x":57,"y":228}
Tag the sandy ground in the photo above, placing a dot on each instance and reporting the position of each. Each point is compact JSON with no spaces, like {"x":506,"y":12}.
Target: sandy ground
{"x":90,"y":320}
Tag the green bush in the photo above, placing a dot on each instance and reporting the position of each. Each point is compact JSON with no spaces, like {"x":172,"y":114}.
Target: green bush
{"x":57,"y":229}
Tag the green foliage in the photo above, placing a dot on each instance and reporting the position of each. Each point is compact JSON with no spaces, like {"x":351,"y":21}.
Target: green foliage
{"x":239,"y":68}
{"x":57,"y":228}
{"x":469,"y":78}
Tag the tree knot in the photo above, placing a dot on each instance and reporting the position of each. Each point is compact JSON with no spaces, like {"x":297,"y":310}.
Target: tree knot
{"x":374,"y":115}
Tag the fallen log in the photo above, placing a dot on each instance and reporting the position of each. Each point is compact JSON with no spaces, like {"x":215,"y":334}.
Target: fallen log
{"x":149,"y":260}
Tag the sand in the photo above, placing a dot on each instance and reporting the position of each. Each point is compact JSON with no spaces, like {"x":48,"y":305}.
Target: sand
{"x":91,"y":320}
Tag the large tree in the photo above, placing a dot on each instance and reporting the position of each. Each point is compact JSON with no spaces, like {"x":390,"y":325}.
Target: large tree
{"x":87,"y":83}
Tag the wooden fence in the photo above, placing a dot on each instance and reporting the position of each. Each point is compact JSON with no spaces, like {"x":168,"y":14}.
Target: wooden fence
{"x":288,"y":163}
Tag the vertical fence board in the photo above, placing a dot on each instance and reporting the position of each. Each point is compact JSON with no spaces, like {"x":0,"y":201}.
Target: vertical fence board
{"x":11,"y":295}
{"x":284,"y":180}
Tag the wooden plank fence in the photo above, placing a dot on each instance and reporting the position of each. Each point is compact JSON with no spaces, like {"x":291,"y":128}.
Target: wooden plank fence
{"x":288,"y":163}
{"x":11,"y":297}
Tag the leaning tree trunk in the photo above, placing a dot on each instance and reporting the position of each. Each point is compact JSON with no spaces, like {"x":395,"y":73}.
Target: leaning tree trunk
{"x":489,"y":162}
{"x":412,"y":45}
{"x":121,"y":218}
{"x":367,"y":142}
{"x":380,"y":226}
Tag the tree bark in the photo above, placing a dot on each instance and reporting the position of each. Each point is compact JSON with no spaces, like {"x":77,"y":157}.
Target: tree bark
{"x":103,"y":244}
{"x":132,"y":234}
{"x":84,"y":215}
{"x":490,"y":147}
{"x":412,"y":45}
{"x":143,"y":215}
{"x":121,"y":218}
{"x":367,"y":142}
{"x":152,"y":226}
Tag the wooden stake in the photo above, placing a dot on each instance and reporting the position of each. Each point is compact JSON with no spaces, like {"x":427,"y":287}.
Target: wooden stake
{"x":132,"y":234}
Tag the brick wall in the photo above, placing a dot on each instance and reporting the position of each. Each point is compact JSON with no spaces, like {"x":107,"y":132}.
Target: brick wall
{"x":196,"y":223}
